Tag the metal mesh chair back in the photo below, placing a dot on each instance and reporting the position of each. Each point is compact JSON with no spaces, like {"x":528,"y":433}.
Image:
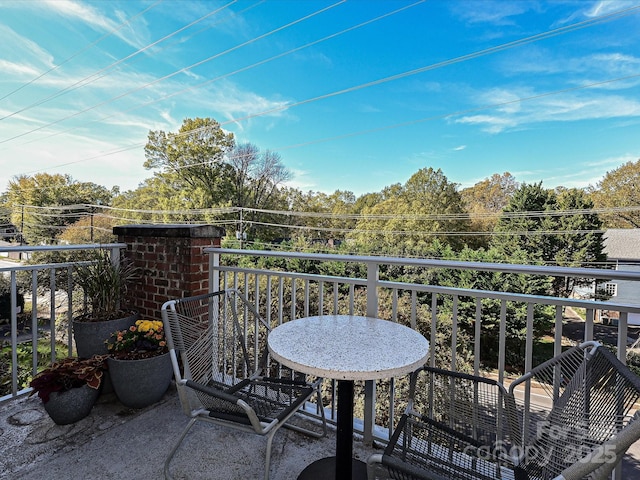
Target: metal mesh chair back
{"x":218,"y":348}
{"x":219,"y":337}
{"x":221,"y":342}
{"x":581,"y":399}
{"x":453,"y":428}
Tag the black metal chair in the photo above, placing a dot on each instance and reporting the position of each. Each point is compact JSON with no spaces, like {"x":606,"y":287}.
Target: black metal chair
{"x":217,"y":344}
{"x":572,"y":417}
{"x":453,"y":428}
{"x":575,"y":416}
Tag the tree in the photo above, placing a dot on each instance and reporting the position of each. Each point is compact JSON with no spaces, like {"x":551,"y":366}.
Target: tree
{"x":44,"y":204}
{"x":486,"y":200}
{"x":524,"y":222}
{"x":581,"y":243}
{"x":90,"y":229}
{"x":255,"y":179}
{"x":618,"y":189}
{"x":412,"y":215}
{"x":516,"y":312}
{"x":163,"y":198}
{"x":203,"y":168}
{"x":544,"y":226}
{"x":196,"y":156}
{"x":332,"y":219}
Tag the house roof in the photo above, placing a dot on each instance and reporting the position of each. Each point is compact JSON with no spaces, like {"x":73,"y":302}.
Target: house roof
{"x":622,"y":243}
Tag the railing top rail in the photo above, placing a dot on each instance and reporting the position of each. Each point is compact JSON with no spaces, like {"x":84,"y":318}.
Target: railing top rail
{"x":598,"y":273}
{"x":42,"y":266}
{"x":44,"y":248}
{"x":518,"y":297}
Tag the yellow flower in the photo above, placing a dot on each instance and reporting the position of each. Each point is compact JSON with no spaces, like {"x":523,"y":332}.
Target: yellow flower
{"x":147,"y":325}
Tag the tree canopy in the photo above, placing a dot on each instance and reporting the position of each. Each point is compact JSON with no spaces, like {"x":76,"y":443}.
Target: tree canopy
{"x":410,"y":216}
{"x":619,"y":191}
{"x":35,"y":203}
{"x":485,"y":201}
{"x":194,"y":157}
{"x":539,"y":223}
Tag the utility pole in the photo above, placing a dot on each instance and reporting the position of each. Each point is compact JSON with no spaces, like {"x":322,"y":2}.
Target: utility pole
{"x":22,"y":227}
{"x":240,"y":235}
{"x":91,"y":217}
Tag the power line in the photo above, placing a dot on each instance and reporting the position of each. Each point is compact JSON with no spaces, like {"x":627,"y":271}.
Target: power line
{"x":235,"y":72}
{"x":328,"y":216}
{"x":68,"y":59}
{"x":95,"y":76}
{"x":173,"y":74}
{"x":533,"y":38}
{"x":462,"y":58}
{"x":363,"y":132}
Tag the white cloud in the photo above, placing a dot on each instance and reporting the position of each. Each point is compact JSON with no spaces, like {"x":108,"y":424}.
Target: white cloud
{"x":599,"y":66}
{"x":564,"y":107}
{"x":490,"y":123}
{"x":233,"y":102}
{"x":16,"y":69}
{"x":459,"y":148}
{"x":23,"y":52}
{"x":494,"y":12}
{"x":300,"y":180}
{"x":83,"y":157}
{"x":602,"y":7}
{"x":92,"y":17}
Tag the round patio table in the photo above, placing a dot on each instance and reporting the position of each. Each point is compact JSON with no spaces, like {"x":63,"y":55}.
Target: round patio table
{"x":346,"y":348}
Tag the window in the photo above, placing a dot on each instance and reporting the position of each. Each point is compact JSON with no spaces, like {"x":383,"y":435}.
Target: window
{"x":610,"y":289}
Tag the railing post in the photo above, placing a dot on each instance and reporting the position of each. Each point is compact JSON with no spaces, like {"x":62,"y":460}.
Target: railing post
{"x":623,"y":330}
{"x":214,"y":272}
{"x":370,"y":386}
{"x":69,"y":311}
{"x":14,"y":334}
{"x":372,"y":289}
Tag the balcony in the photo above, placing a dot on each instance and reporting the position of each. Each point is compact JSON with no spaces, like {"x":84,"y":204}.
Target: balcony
{"x":33,"y":446}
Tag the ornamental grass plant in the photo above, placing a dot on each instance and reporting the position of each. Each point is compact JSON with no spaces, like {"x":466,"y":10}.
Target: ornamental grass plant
{"x":104,"y":283}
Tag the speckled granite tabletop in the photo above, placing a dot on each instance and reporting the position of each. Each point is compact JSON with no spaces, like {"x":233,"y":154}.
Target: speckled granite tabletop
{"x":347,"y":347}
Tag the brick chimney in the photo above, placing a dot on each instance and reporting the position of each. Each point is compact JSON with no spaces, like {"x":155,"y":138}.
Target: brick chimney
{"x":171,"y":262}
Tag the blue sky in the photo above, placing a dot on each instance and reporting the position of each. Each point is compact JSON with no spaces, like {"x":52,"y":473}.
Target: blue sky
{"x":353,"y":95}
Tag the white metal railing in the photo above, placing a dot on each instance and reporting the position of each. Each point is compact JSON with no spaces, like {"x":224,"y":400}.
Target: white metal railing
{"x":41,"y":318}
{"x":290,"y":294}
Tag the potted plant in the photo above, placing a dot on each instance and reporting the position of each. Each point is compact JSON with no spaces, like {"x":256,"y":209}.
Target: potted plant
{"x":104,"y":284}
{"x":139,"y":363}
{"x":70,"y":387}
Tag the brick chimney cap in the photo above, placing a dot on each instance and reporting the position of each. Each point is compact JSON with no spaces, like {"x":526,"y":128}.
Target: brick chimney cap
{"x":170,"y":230}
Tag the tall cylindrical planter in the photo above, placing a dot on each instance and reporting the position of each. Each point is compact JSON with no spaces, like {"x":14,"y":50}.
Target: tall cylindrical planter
{"x":90,"y":337}
{"x":140,"y":383}
{"x":71,"y":405}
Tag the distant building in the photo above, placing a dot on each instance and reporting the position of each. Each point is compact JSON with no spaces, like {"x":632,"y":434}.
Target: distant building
{"x":622,"y":246}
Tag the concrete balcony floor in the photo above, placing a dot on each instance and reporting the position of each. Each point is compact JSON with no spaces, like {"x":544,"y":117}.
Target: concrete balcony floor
{"x":115,"y":442}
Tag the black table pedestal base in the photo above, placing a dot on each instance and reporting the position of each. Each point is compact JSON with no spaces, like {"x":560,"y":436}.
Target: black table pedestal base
{"x":325,"y":469}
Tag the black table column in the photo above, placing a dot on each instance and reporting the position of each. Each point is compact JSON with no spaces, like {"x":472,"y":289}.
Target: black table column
{"x":344,"y":435}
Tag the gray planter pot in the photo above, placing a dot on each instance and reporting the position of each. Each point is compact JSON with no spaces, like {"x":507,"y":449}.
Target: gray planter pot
{"x":71,"y":405}
{"x":90,"y":336}
{"x":140,"y":383}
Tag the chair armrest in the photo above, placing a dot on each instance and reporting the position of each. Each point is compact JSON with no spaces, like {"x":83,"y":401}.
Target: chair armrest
{"x":605,"y":456}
